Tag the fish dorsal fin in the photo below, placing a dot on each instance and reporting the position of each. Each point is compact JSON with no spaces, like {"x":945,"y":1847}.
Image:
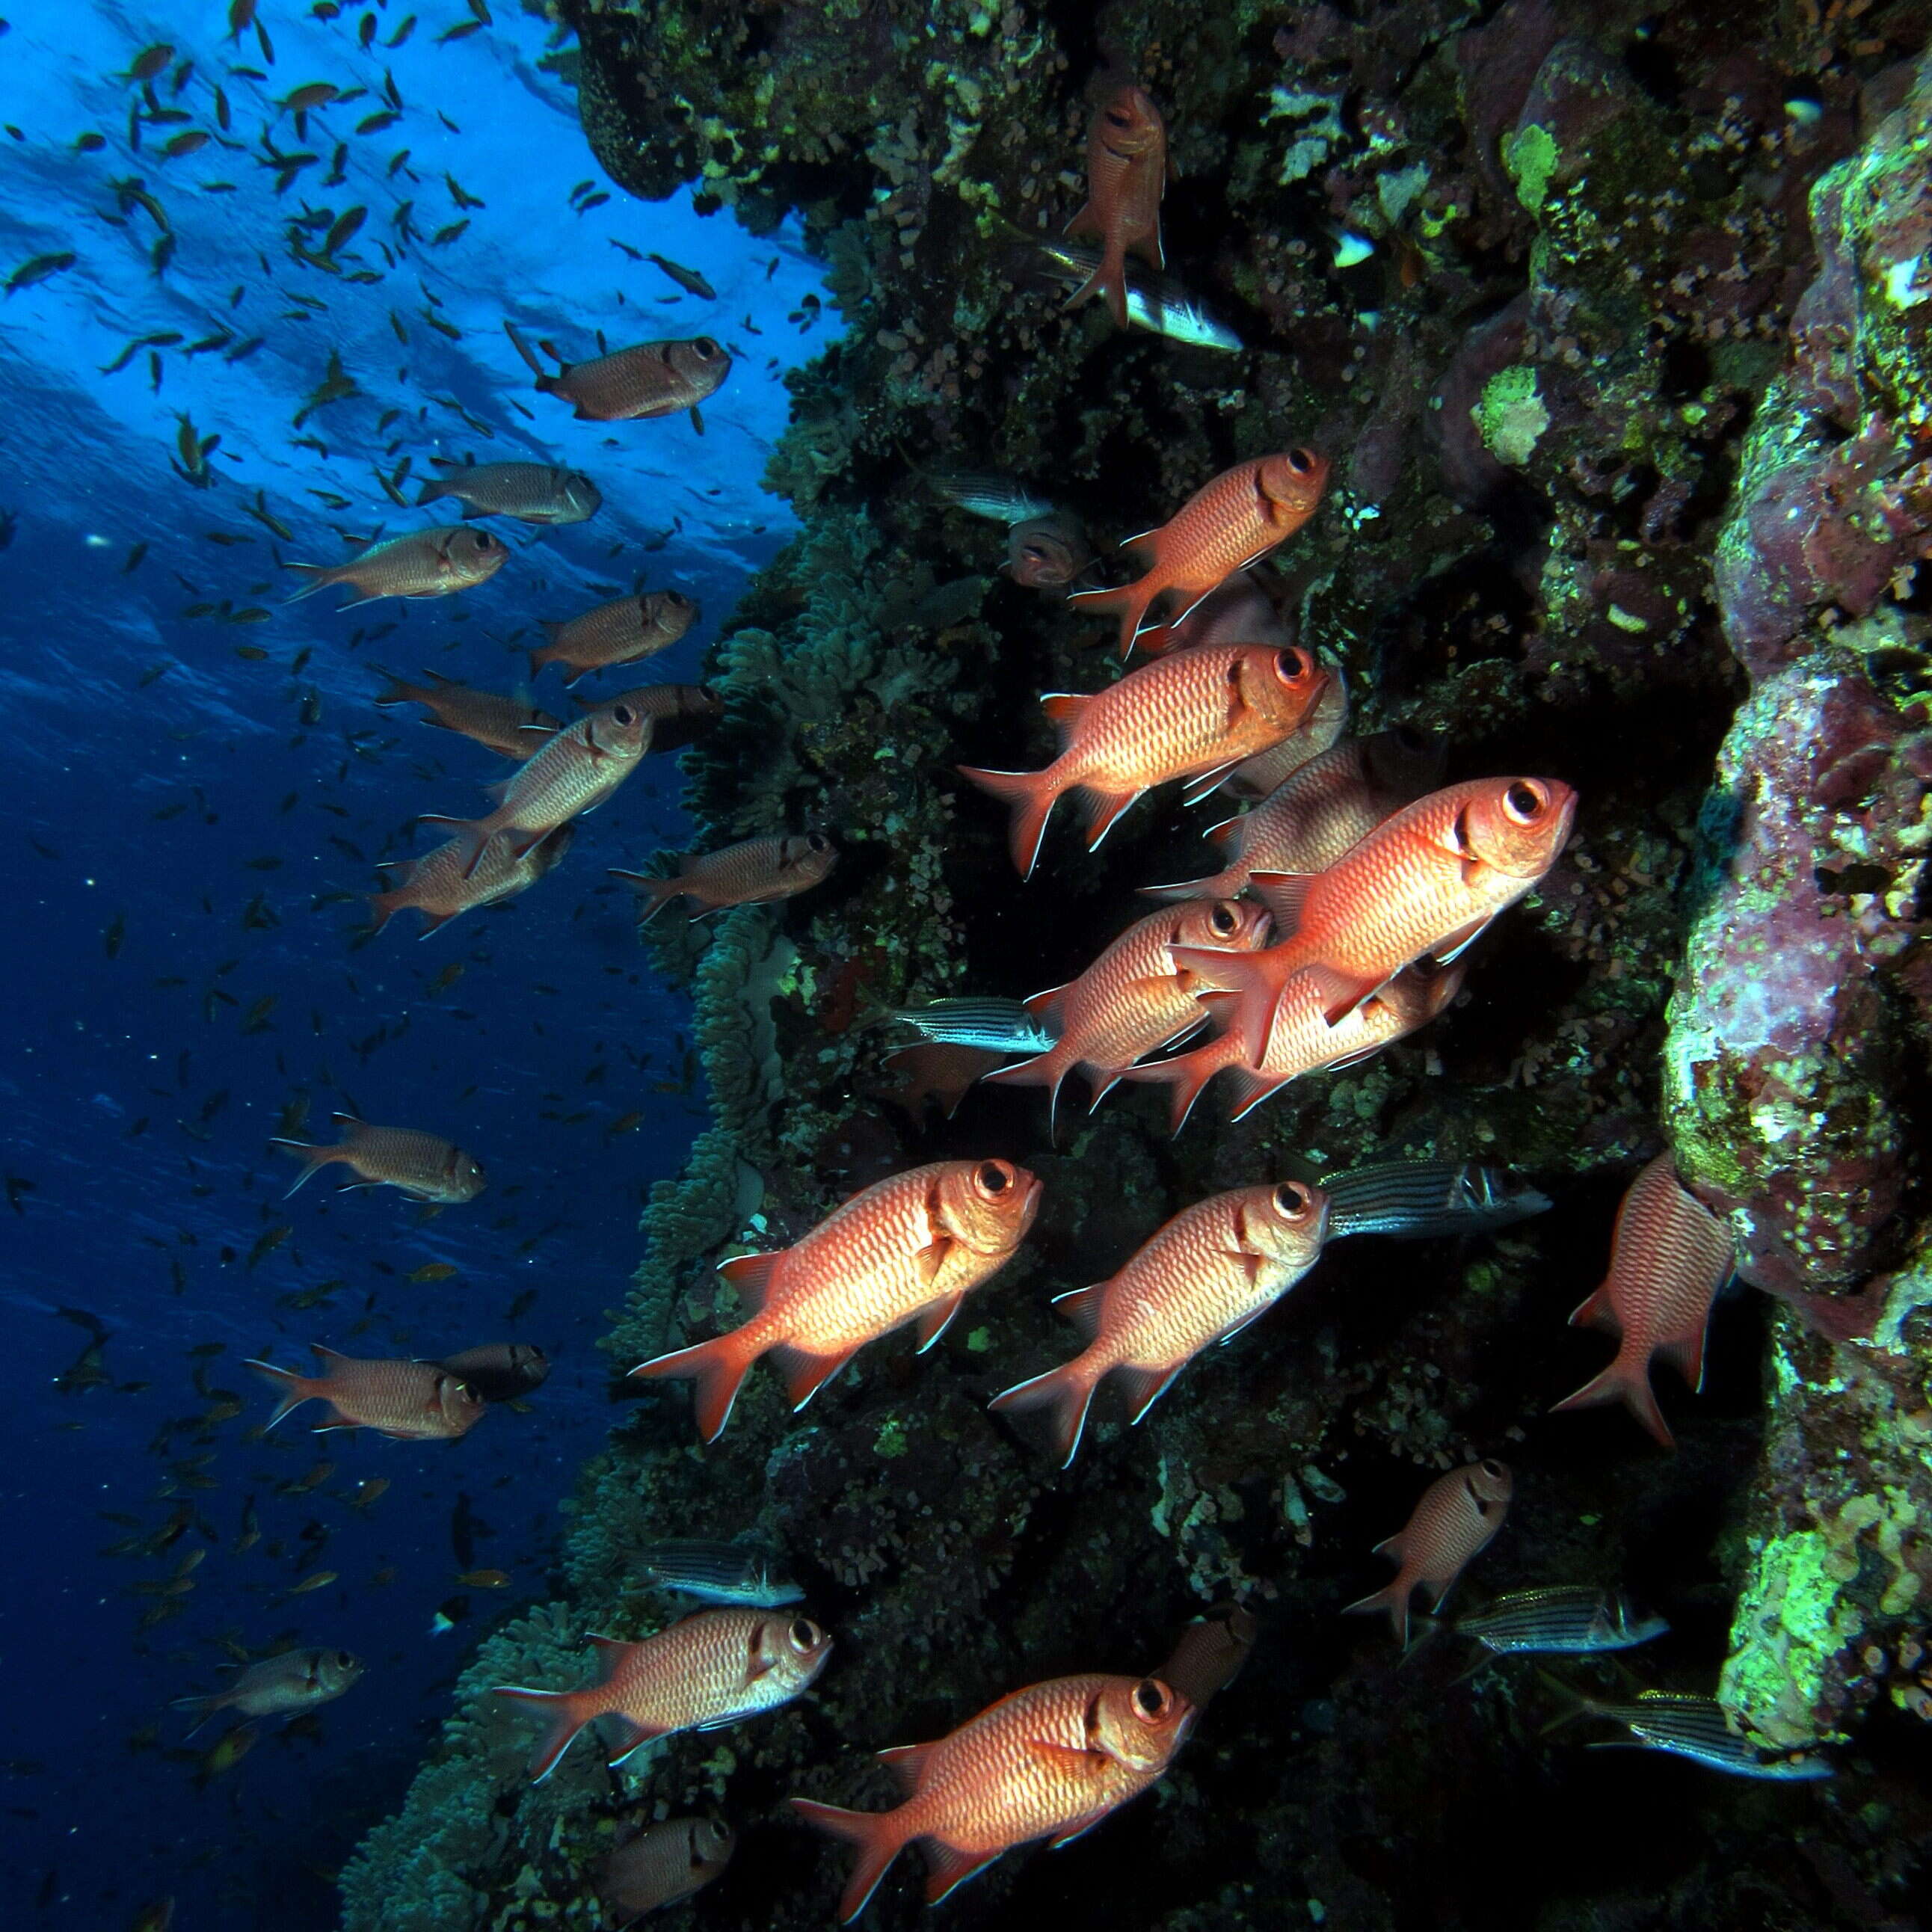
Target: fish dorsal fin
{"x":1063,"y":708}
{"x":1221,"y":834}
{"x":751,"y":1276}
{"x":1082,"y":1307}
{"x":327,"y":1354}
{"x":1045,"y":1005}
{"x":343,"y":1120}
{"x":907,"y":1763}
{"x":1284,"y":894}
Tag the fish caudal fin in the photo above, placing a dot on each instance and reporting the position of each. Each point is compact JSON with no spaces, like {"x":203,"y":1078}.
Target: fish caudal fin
{"x":717,"y":1366}
{"x":1130,"y":602}
{"x":1068,"y":1391}
{"x":1626,"y":1380}
{"x":206,"y":1707}
{"x":656,"y":892}
{"x":879,"y":1841}
{"x":431,"y":490}
{"x":1031,"y":796}
{"x":314,"y":1158}
{"x":400,"y":691}
{"x":1393,"y":1597}
{"x":1048,"y":1069}
{"x":320,"y":576}
{"x":293,"y":1389}
{"x":1186,"y":1077}
{"x":566,"y":1714}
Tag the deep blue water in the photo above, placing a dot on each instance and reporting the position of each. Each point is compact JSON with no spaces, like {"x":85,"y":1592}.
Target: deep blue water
{"x":184,"y":809}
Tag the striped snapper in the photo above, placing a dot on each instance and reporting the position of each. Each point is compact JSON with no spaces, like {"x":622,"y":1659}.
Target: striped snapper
{"x":1421,"y":1200}
{"x":999,"y":1026}
{"x":716,"y":1573}
{"x":1696,"y":1728}
{"x":1575,"y":1620}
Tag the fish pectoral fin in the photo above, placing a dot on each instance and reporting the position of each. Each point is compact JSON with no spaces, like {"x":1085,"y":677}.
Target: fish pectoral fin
{"x":936,"y":1317}
{"x":930,"y":1259}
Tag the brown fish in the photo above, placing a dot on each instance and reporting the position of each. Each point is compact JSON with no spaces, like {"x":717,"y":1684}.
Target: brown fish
{"x":501,"y":1371}
{"x":754,"y":872}
{"x":654,"y":379}
{"x":297,"y":1680}
{"x":489,"y":717}
{"x":435,"y":885}
{"x":424,"y":1166}
{"x":532,"y":492}
{"x":1208,"y":1655}
{"x":678,"y":712}
{"x":935,"y":1069}
{"x":1458,"y":1515}
{"x":619,"y":632}
{"x":662,"y":1864}
{"x":408,"y":1402}
{"x":1126,"y":171}
{"x":572,"y":772}
{"x":1239,"y":611}
{"x":1047,"y":552}
{"x":707,"y":1670}
{"x":432,"y":562}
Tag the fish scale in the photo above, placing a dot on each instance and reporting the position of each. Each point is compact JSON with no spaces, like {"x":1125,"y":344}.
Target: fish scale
{"x":1670,"y":1255}
{"x":436,"y":884}
{"x":411,"y":1401}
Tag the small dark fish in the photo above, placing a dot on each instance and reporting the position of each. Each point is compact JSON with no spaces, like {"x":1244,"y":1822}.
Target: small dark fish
{"x":1000,"y":1026}
{"x":1580,"y":1621}
{"x":501,"y":1371}
{"x":1692,"y":1727}
{"x":1419,"y":1200}
{"x":689,"y":280}
{"x":716,"y":1573}
{"x":39,"y":269}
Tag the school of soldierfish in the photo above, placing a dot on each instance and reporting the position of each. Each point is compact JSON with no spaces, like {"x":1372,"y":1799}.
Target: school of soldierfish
{"x":1336,"y":916}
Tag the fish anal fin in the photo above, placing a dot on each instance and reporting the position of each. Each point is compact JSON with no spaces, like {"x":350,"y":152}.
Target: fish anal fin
{"x":1460,"y":941}
{"x":947,"y":1868}
{"x":805,"y":1373}
{"x":1685,"y":1354}
{"x":1596,"y":1313}
{"x":1144,"y":1387}
{"x":1103,"y":813}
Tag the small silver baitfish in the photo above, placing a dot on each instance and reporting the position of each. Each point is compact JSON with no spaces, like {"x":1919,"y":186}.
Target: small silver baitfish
{"x":1417,"y":1200}
{"x":1156,"y":303}
{"x":1000,"y":1026}
{"x":1694,"y":1728}
{"x":1578,"y":1621}
{"x":716,"y":1573}
{"x":998,"y":499}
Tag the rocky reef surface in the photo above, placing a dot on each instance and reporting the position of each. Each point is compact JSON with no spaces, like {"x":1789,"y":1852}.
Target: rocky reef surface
{"x":1614,"y":320}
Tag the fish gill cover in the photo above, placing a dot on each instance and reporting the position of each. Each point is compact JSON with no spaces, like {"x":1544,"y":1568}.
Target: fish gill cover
{"x":1571,"y":363}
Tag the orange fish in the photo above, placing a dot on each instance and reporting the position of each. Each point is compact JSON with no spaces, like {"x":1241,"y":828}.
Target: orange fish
{"x":1454,"y":1522}
{"x":1209,"y":1272}
{"x":1131,"y":1000}
{"x":1239,"y":611}
{"x":753,"y":872}
{"x":1051,"y":1760}
{"x":654,"y":379}
{"x":1126,"y":172}
{"x":1669,"y":1257}
{"x":572,"y":772}
{"x":499,"y":722}
{"x":1332,"y":803}
{"x":408,"y":1401}
{"x":1427,"y":881}
{"x":1047,"y":552}
{"x":1267,"y":771}
{"x":424,"y":1166}
{"x":704,"y":1672}
{"x":1194,"y":716}
{"x":911,"y":1247}
{"x":433,"y":562}
{"x":1226,"y":525}
{"x":619,"y":632}
{"x":662,"y":1864}
{"x":1301,"y":1040}
{"x":437,"y":887}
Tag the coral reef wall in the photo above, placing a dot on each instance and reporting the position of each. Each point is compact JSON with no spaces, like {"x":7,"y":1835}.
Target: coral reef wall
{"x":1613,"y":318}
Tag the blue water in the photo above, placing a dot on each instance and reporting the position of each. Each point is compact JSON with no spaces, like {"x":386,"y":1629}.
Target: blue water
{"x":178,"y":830}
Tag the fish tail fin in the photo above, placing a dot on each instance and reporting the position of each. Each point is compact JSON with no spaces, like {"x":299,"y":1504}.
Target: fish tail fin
{"x":878,"y":1840}
{"x":566,"y":1714}
{"x":1393,"y":1597}
{"x":717,"y":1366}
{"x":1128,"y":601}
{"x":1626,"y":1380}
{"x":314,"y":1158}
{"x":1576,"y":1703}
{"x":656,"y":892}
{"x":433,"y":488}
{"x":294,"y":1389}
{"x":545,"y":653}
{"x":1186,"y":1077}
{"x":204,"y":1707}
{"x":399,"y":690}
{"x":1031,"y":795}
{"x":1048,"y":1069}
{"x":1068,"y":1391}
{"x":320,"y":577}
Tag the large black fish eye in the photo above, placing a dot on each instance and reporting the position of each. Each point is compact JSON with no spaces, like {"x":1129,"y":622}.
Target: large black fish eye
{"x":1291,"y":1199}
{"x":817,"y":841}
{"x":622,"y":714}
{"x":804,"y":1634}
{"x":1300,"y":461}
{"x":992,"y":1177}
{"x":1223,"y":918}
{"x":1151,"y":1697}
{"x":703,"y":348}
{"x":1292,"y":665}
{"x":1523,"y":801}
{"x":343,"y":1661}
{"x":1494,"y":1470}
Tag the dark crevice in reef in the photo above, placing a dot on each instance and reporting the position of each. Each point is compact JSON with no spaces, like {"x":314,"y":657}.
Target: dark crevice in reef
{"x":1607,"y":317}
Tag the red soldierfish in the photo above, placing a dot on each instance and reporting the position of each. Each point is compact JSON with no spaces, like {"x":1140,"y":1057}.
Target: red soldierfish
{"x":408,"y":1402}
{"x":501,"y":1371}
{"x":532,"y":492}
{"x":1051,"y":1760}
{"x":1226,"y":525}
{"x":1669,"y":1257}
{"x":1131,"y":1000}
{"x":1126,"y":172}
{"x":1301,"y":1040}
{"x":654,"y":379}
{"x":1194,"y":716}
{"x":488,"y":718}
{"x":617,"y":633}
{"x":1331,"y":803}
{"x":1208,"y":1655}
{"x":424,"y":1166}
{"x":296,"y":1680}
{"x":1267,"y":771}
{"x":436,"y":886}
{"x":1458,"y":1515}
{"x":1427,"y":881}
{"x":572,"y":772}
{"x":754,"y":872}
{"x":422,"y":563}
{"x":706,"y":1671}
{"x":1212,"y":1269}
{"x":662,"y":1864}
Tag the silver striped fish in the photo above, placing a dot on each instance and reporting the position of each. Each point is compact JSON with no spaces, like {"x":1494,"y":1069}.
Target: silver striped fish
{"x":1000,"y":1026}
{"x":716,"y":1573}
{"x":1419,"y":1200}
{"x":1694,"y":1728}
{"x":1571,"y":1620}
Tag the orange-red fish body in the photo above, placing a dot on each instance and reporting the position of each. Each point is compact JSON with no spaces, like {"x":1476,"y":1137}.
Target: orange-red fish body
{"x":653,"y":379}
{"x":1330,"y":804}
{"x":754,"y":872}
{"x":436,"y":886}
{"x":1267,"y":771}
{"x":909,"y":1248}
{"x":1455,"y":1520}
{"x":424,"y":1166}
{"x":705,"y":1671}
{"x":1226,"y":525}
{"x":408,"y":1402}
{"x":622,"y":631}
{"x":433,"y":562}
{"x":1301,"y":1041}
{"x":1047,"y":552}
{"x":1427,"y":881}
{"x":571,"y":772}
{"x":1194,"y":716}
{"x":490,"y":719}
{"x":662,"y":1864}
{"x":1131,"y":1000}
{"x":1209,"y":1272}
{"x":1050,"y":1761}
{"x":1239,"y":611}
{"x":1127,"y":174}
{"x":1669,"y":1257}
